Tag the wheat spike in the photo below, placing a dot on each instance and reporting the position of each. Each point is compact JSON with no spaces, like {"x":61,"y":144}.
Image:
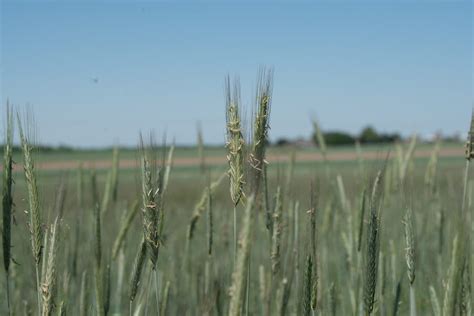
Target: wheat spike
{"x":261,"y":127}
{"x":34,"y":211}
{"x":150,"y":208}
{"x":373,"y":241}
{"x":235,"y":141}
{"x":33,"y":199}
{"x":7,"y":193}
{"x":7,"y":200}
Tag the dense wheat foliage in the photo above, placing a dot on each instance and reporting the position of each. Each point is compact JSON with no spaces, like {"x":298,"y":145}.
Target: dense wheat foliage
{"x":386,"y":236}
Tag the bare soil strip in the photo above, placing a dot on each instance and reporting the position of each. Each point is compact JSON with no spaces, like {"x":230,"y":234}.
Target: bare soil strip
{"x":217,"y":160}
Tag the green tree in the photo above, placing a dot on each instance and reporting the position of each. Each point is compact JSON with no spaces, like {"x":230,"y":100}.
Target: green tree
{"x":369,"y":135}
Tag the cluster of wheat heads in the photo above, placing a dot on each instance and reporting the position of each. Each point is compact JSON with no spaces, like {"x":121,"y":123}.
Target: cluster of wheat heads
{"x":332,"y":241}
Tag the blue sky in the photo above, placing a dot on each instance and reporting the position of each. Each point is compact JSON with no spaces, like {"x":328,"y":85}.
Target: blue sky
{"x":398,"y":65}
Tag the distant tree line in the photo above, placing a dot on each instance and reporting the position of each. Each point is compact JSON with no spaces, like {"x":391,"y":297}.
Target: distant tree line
{"x":368,"y":135}
{"x":45,"y":148}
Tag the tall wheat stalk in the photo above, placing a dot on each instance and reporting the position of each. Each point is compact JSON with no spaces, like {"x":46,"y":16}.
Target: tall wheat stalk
{"x":434,"y":302}
{"x":210,"y":221}
{"x":154,"y":185}
{"x":373,"y":244}
{"x":410,"y":256}
{"x":167,"y":171}
{"x":361,"y":219}
{"x":466,"y":220}
{"x":362,"y":209}
{"x":235,"y":149}
{"x":241,"y":265}
{"x":321,"y":142}
{"x":99,"y":299}
{"x":7,"y":201}
{"x":260,"y":128}
{"x":465,"y":303}
{"x":80,"y":186}
{"x":453,"y":284}
{"x":106,"y":289}
{"x":431,"y":168}
{"x":115,"y":173}
{"x":200,"y":147}
{"x":33,"y":204}
{"x":396,"y":300}
{"x":137,"y":272}
{"x":61,"y":194}
{"x":308,"y":286}
{"x":407,"y":158}
{"x":202,"y":204}
{"x":50,"y":280}
{"x":83,"y":307}
{"x":165,"y":299}
{"x":277,"y":231}
{"x":320,"y":139}
{"x":315,"y":293}
{"x":127,"y":223}
{"x":150,"y":208}
{"x":296,"y":253}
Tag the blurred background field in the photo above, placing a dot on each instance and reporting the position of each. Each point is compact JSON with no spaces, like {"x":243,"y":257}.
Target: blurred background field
{"x":206,"y":291}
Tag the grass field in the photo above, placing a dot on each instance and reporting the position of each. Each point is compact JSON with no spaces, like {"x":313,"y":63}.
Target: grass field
{"x":192,"y":282}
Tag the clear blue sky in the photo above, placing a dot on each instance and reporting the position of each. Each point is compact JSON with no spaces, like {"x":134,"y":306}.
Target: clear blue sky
{"x":398,"y":65}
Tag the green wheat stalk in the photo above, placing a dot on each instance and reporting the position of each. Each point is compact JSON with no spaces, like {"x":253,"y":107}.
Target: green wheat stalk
{"x":48,"y":288}
{"x":7,"y":201}
{"x":261,"y":127}
{"x":373,"y":244}
{"x":33,"y":206}
{"x":241,"y":264}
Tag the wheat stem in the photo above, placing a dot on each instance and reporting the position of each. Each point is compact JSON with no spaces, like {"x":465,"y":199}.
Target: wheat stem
{"x":164,"y":298}
{"x":38,"y":287}
{"x":373,"y":242}
{"x":412,"y":301}
{"x":50,"y":275}
{"x":157,"y":293}
{"x":7,"y":281}
{"x":83,"y":295}
{"x":235,"y":232}
{"x":127,"y":223}
{"x":240,"y":266}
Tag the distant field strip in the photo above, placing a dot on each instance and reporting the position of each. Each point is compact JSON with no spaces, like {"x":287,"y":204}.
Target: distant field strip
{"x":220,"y":160}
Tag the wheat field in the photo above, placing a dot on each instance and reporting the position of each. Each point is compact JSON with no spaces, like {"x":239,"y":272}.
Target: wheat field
{"x":389,"y":235}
